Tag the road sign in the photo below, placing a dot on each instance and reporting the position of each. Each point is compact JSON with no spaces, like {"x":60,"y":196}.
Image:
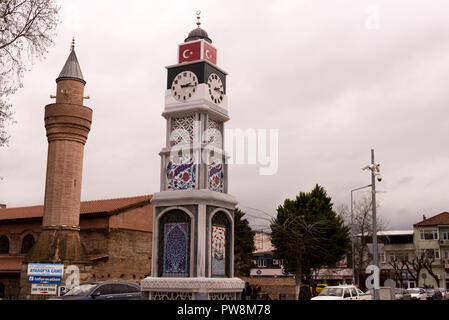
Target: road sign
{"x":41,"y":279}
{"x":61,"y":290}
{"x":39,"y":288}
{"x":42,"y":269}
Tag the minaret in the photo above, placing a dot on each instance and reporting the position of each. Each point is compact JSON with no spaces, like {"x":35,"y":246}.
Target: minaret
{"x":67,"y":123}
{"x":193,"y":227}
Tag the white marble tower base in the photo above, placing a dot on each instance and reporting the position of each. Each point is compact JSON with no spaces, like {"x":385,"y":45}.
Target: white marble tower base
{"x":167,"y":288}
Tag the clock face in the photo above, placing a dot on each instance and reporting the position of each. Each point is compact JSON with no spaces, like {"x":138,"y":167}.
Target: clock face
{"x":216,"y":90}
{"x":184,"y":85}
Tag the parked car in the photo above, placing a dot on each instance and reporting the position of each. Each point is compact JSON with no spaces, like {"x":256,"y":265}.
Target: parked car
{"x":105,"y":290}
{"x":417,"y":293}
{"x":434,"y":294}
{"x":347,"y":292}
{"x":443,"y":293}
{"x":402,"y":294}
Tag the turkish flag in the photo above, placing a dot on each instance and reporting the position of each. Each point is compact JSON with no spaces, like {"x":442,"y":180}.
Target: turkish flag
{"x":189,"y":52}
{"x":210,"y":53}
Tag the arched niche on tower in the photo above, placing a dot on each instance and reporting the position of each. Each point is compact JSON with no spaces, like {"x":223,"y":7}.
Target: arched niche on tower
{"x":175,"y":230}
{"x":221,"y":244}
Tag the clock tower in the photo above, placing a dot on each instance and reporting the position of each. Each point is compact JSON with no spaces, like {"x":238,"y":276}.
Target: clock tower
{"x":193,"y":226}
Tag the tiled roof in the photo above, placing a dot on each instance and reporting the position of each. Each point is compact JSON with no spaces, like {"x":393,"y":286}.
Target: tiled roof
{"x":96,"y":206}
{"x":439,"y":219}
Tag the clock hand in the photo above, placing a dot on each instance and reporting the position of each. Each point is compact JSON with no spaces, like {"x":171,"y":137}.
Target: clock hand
{"x":187,"y":85}
{"x":218,"y":89}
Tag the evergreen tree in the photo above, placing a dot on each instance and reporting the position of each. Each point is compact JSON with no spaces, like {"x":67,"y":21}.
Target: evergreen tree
{"x":243,"y":244}
{"x":309,"y":235}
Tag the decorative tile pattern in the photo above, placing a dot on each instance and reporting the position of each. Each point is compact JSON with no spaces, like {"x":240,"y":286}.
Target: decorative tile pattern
{"x":221,"y":296}
{"x":213,"y":133}
{"x":181,"y":173}
{"x":215,"y":175}
{"x":182,"y":130}
{"x":176,"y":241}
{"x":218,"y":251}
{"x":172,"y":296}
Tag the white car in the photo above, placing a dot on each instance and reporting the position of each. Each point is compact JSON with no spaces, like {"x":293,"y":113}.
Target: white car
{"x":417,"y":293}
{"x":347,"y":292}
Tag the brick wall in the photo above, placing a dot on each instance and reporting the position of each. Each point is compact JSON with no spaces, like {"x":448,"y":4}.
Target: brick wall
{"x":274,"y":286}
{"x":129,"y":254}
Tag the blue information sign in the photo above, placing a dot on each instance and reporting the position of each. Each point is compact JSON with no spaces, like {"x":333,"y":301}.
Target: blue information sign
{"x":43,"y":279}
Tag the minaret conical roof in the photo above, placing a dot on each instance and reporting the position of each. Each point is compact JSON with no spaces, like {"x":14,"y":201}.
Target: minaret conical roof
{"x":71,"y":69}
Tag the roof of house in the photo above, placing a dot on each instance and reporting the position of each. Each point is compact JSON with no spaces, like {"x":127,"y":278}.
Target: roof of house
{"x":87,"y":207}
{"x":439,"y":219}
{"x":390,"y":233}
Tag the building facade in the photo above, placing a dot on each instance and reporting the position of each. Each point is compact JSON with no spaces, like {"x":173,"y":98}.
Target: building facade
{"x":116,"y":234}
{"x":431,"y":238}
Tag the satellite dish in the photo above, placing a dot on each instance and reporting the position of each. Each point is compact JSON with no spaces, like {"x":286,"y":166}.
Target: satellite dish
{"x":423,"y":275}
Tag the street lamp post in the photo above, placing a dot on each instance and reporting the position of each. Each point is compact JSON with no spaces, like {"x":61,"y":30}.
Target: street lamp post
{"x":352,"y":233}
{"x":374,"y":167}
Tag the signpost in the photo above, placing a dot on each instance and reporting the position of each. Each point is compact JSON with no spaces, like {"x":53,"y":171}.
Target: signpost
{"x":46,"y":270}
{"x":61,"y":290}
{"x":41,"y":288}
{"x":44,"y":277}
{"x":48,"y":280}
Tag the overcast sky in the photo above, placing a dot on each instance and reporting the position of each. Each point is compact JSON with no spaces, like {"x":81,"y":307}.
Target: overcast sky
{"x":336,"y":78}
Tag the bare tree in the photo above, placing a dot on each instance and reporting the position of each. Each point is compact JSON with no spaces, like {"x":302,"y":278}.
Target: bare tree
{"x":422,"y":261}
{"x":429,"y":259}
{"x":399,"y":265}
{"x":26,"y":30}
{"x":414,"y":267}
{"x":362,"y":229}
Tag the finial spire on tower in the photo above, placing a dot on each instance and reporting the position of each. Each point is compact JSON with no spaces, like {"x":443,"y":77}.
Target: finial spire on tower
{"x":71,"y":69}
{"x":198,"y":23}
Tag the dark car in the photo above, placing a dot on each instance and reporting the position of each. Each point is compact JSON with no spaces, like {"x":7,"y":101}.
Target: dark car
{"x":105,"y":290}
{"x":402,"y":294}
{"x":434,"y":294}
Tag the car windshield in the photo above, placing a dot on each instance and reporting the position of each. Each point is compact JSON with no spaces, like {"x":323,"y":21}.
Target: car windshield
{"x":331,"y":292}
{"x":80,"y":290}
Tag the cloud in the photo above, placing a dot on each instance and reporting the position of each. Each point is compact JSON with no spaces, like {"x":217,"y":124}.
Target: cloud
{"x":333,"y":88}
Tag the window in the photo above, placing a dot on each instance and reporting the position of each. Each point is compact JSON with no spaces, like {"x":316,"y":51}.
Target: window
{"x":382,"y":257}
{"x":398,"y":257}
{"x":4,"y":245}
{"x":27,"y":243}
{"x":346,"y":294}
{"x":431,"y":253}
{"x":353,"y":292}
{"x":446,"y":254}
{"x":105,"y":290}
{"x":120,"y":288}
{"x":428,"y":235}
{"x":261,"y":262}
{"x":446,"y":235}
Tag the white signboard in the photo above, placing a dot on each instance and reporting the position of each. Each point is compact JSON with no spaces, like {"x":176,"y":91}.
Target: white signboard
{"x":43,"y":288}
{"x":43,"y":269}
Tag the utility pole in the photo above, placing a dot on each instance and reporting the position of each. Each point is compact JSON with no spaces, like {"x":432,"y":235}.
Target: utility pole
{"x":374,"y":167}
{"x":375,"y":247}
